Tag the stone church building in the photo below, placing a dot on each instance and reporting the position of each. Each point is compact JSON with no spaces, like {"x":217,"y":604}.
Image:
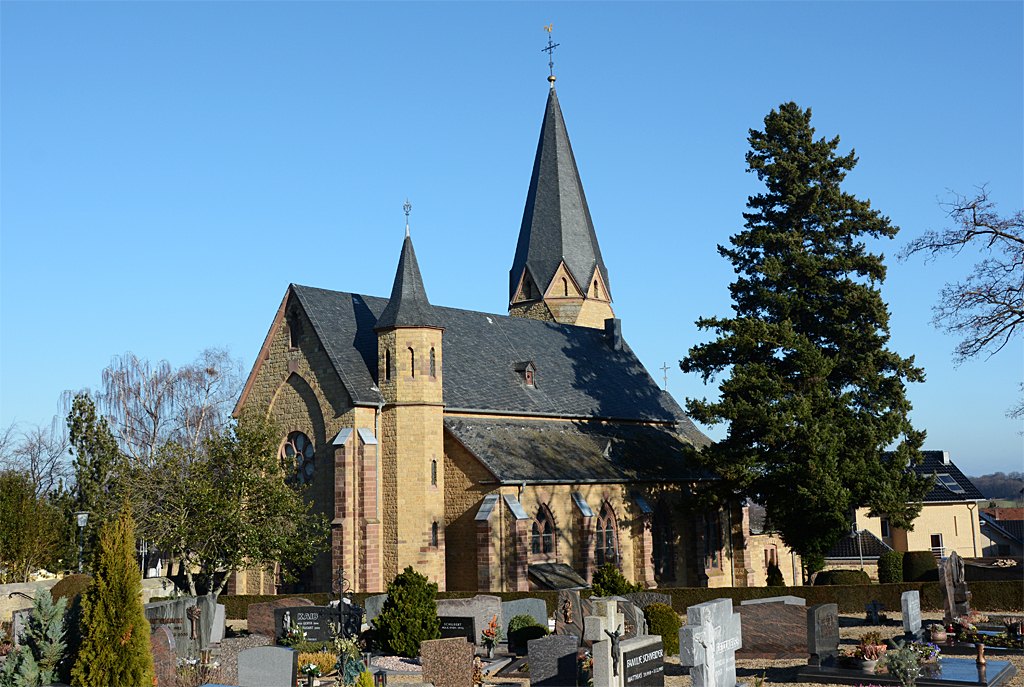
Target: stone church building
{"x":491,"y":452}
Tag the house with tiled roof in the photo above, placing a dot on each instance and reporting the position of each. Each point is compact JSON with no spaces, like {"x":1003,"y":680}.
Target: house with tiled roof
{"x":491,"y":452}
{"x":949,"y":514}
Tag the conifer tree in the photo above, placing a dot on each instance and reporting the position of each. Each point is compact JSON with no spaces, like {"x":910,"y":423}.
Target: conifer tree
{"x":42,"y":645}
{"x":409,"y":616}
{"x":813,"y":397}
{"x":115,"y":633}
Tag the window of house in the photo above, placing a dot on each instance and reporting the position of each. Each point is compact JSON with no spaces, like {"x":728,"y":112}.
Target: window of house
{"x":529,"y":377}
{"x":433,"y":534}
{"x":770,"y":556}
{"x":433,"y":473}
{"x":712,"y":541}
{"x":433,"y":363}
{"x":661,"y":539}
{"x":542,"y":541}
{"x":298,"y":451}
{"x":885,"y":528}
{"x":387,"y":363}
{"x":412,"y":363}
{"x":606,"y":549}
{"x":937,"y":545}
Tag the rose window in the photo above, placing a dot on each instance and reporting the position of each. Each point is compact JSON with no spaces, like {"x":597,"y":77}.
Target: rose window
{"x":298,"y":450}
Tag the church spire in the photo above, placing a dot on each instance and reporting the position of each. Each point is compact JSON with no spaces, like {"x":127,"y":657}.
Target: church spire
{"x":408,"y":306}
{"x":557,"y":258}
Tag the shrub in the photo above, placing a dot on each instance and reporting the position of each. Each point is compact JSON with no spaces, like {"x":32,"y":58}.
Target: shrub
{"x":890,"y":567}
{"x":115,"y":632}
{"x":365,"y":679}
{"x":313,"y":647}
{"x":409,"y":616}
{"x":70,"y":587}
{"x":662,"y":620}
{"x":324,"y":660}
{"x":43,"y":646}
{"x":608,"y":581}
{"x":518,"y":622}
{"x":519,"y":637}
{"x":842,"y":577}
{"x":920,"y":566}
{"x":775,"y":575}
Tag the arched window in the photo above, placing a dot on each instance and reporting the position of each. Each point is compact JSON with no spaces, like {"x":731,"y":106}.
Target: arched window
{"x":294,"y":328}
{"x":387,"y":363}
{"x":542,"y":542}
{"x":661,"y":536}
{"x":433,"y":363}
{"x":412,"y":362}
{"x":712,"y":541}
{"x":433,"y":534}
{"x":597,"y":290}
{"x":298,"y":452}
{"x":607,"y":549}
{"x":565,"y":286}
{"x":433,"y":473}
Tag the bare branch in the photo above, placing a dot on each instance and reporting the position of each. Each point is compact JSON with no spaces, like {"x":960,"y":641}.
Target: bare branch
{"x":42,"y":452}
{"x":987,"y":309}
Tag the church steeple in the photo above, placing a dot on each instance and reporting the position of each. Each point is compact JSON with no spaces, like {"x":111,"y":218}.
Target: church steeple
{"x":558,"y":272}
{"x":408,"y":306}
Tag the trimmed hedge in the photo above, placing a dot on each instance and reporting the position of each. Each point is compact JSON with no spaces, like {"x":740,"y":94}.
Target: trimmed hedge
{"x":988,"y":597}
{"x":920,"y":566}
{"x":841,"y":577}
{"x":890,"y":567}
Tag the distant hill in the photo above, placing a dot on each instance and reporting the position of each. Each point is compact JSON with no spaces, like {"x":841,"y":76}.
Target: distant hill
{"x":1000,"y":485}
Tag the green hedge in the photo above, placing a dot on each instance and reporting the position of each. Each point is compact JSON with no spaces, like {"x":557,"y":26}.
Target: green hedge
{"x":920,"y":566}
{"x":841,"y":577}
{"x":987,"y":597}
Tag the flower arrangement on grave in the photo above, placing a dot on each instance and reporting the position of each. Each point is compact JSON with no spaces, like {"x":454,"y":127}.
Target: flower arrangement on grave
{"x":936,"y":632}
{"x":964,"y":629}
{"x":295,"y":635}
{"x":585,"y":668}
{"x":870,"y":648}
{"x":904,"y":662}
{"x":310,"y":669}
{"x":478,"y":671}
{"x":492,"y":634}
{"x":927,"y":651}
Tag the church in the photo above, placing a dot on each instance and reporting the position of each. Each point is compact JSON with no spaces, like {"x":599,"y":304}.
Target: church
{"x":491,"y":452}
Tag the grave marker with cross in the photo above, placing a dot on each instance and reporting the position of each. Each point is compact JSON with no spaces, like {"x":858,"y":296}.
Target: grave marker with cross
{"x":708,"y":643}
{"x":597,"y":628}
{"x":873,"y":609}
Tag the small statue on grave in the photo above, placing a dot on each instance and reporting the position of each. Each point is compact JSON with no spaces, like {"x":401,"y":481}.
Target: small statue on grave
{"x":615,"y":649}
{"x":193,"y":613}
{"x":567,"y":611}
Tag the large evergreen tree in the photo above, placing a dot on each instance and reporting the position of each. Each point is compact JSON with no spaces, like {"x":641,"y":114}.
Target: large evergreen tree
{"x":812,"y":395}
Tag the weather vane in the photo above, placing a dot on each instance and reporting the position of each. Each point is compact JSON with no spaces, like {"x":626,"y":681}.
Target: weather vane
{"x":408,"y":208}
{"x":550,"y":50}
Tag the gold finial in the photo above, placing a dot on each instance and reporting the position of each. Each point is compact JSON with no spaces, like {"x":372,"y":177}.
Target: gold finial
{"x":549,"y":50}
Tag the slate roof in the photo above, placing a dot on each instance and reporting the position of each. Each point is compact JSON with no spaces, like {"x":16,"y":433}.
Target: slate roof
{"x":578,"y":373}
{"x":932,"y":464}
{"x":557,"y":576}
{"x":870,"y":546}
{"x":556,"y":222}
{"x":408,"y":305}
{"x":552,"y":451}
{"x":1013,"y":529}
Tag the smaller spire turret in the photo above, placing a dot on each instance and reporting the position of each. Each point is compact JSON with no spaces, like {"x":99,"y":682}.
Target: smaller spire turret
{"x":409,"y":306}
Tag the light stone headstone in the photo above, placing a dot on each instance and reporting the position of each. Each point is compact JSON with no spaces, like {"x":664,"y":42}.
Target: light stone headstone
{"x":268,"y":666}
{"x":596,"y":629}
{"x":483,"y":607}
{"x":708,"y":643}
{"x":822,"y":632}
{"x":788,"y":600}
{"x":219,"y":623}
{"x":910,"y":604}
{"x":174,"y":613}
{"x":372,"y":606}
{"x":536,"y":608}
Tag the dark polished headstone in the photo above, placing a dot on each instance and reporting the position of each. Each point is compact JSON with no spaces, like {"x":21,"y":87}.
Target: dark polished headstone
{"x":570,"y":614}
{"x":447,"y":662}
{"x":822,"y":632}
{"x":315,"y":621}
{"x":260,"y":617}
{"x":553,"y":660}
{"x":459,"y":626}
{"x":643,"y":662}
{"x":773,"y":631}
{"x":948,"y":672}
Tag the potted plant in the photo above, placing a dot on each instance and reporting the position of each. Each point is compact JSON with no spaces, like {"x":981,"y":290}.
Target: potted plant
{"x":866,"y":654}
{"x":311,"y":671}
{"x":936,"y":632}
{"x":491,"y":636}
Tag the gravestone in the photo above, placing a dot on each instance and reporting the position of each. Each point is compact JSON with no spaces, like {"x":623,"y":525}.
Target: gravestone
{"x":536,"y":608}
{"x":634,"y":623}
{"x":372,"y":605}
{"x":645,"y":599}
{"x":604,"y":631}
{"x":956,"y":599}
{"x":643,"y":662}
{"x":874,"y":610}
{"x":260,"y":617}
{"x":910,"y":604}
{"x":19,"y":623}
{"x":789,"y":600}
{"x":553,"y":660}
{"x":459,"y":626}
{"x":219,"y":622}
{"x":570,"y":613}
{"x":190,"y":620}
{"x":268,"y":666}
{"x":447,"y":662}
{"x":315,"y":621}
{"x":822,"y":632}
{"x":483,"y":607}
{"x":708,"y":643}
{"x":165,"y":656}
{"x":773,"y":631}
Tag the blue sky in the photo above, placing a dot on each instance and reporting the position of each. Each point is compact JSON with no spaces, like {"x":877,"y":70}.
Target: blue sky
{"x":167,"y":169}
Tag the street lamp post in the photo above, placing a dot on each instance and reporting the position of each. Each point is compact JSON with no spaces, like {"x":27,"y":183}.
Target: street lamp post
{"x":82,"y":518}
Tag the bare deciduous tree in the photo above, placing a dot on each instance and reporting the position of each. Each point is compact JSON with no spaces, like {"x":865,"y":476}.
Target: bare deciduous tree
{"x":43,"y":454}
{"x":986,"y":310}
